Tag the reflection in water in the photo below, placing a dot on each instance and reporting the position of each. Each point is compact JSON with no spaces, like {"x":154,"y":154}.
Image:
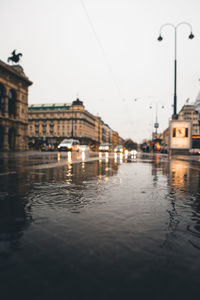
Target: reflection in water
{"x":100,"y":157}
{"x":179,"y":173}
{"x":58,"y":157}
{"x":101,"y":225}
{"x":83,"y":156}
{"x":69,"y":157}
{"x":121,"y":158}
{"x":107,"y":157}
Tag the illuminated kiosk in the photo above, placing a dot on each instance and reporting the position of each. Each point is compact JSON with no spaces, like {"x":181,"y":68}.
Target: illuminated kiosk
{"x":180,"y":140}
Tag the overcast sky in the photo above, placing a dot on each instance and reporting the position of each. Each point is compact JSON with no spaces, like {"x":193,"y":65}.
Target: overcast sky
{"x":107,"y":53}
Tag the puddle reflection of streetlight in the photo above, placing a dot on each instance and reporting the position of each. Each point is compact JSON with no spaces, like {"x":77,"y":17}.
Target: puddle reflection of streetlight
{"x":115,"y":157}
{"x":58,"y":157}
{"x":100,"y":157}
{"x":121,"y":158}
{"x":69,"y":157}
{"x":83,"y":156}
{"x":106,"y":157}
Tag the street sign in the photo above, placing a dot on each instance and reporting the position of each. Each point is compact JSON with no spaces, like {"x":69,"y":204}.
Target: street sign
{"x":156,"y":125}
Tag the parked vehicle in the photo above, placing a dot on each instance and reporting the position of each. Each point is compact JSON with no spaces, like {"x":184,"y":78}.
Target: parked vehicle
{"x":69,"y":145}
{"x":84,"y":148}
{"x":105,"y":147}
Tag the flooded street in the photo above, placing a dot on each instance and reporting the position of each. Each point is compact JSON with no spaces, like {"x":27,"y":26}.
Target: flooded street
{"x":98,"y":227}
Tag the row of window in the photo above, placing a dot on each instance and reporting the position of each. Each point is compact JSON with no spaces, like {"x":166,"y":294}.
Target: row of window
{"x":52,"y":127}
{"x":75,"y":115}
{"x":44,"y":132}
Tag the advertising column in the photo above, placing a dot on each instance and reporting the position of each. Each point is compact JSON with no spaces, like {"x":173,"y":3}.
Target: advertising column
{"x":180,"y":136}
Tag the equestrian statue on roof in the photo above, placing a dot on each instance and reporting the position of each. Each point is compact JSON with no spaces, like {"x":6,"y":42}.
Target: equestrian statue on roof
{"x":15,"y":57}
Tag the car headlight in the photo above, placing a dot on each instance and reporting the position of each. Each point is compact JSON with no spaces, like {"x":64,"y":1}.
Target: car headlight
{"x":58,"y":146}
{"x":106,"y":147}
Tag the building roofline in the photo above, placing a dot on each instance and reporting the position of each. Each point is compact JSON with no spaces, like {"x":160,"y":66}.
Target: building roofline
{"x":12,"y":69}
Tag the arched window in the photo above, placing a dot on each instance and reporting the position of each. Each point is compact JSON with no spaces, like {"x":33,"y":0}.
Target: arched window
{"x":12,"y":102}
{"x":2,"y":98}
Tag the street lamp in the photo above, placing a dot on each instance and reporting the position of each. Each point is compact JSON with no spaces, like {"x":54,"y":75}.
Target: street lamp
{"x":156,"y":124}
{"x":160,"y":38}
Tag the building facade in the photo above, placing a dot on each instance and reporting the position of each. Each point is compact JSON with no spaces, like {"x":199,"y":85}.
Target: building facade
{"x":13,"y":108}
{"x":51,"y":123}
{"x":188,"y":112}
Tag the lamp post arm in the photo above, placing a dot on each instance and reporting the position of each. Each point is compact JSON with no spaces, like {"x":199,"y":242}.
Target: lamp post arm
{"x":184,"y":23}
{"x":165,"y":25}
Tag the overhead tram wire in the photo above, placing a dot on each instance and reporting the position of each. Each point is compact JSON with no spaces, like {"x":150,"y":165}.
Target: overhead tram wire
{"x":102,"y":50}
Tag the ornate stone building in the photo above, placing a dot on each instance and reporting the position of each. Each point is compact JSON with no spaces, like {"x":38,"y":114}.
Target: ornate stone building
{"x":13,"y":108}
{"x":51,"y":123}
{"x":188,"y":112}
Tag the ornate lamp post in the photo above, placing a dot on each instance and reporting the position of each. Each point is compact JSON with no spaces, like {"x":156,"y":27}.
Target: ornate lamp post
{"x":160,"y":38}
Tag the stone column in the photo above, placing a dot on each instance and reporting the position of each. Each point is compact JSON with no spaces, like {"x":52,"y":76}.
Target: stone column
{"x":6,"y":101}
{"x":5,"y":139}
{"x":17,"y":105}
{"x":18,"y":138}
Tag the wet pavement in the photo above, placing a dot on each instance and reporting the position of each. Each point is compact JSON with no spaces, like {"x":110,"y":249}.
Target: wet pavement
{"x":99,"y":227}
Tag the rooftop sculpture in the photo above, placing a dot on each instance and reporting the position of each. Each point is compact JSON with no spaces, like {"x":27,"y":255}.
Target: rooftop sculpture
{"x":15,"y":57}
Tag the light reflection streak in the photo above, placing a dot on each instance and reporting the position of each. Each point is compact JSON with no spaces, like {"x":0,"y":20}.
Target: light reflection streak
{"x":58,"y":157}
{"x":121,"y":158}
{"x":126,"y":154}
{"x":100,"y":157}
{"x":69,"y":158}
{"x":83,"y":156}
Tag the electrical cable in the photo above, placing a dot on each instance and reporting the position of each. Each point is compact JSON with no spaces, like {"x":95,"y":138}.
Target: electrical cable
{"x":102,"y":50}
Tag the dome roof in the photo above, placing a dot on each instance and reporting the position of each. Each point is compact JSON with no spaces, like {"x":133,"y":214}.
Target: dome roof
{"x":77,"y":102}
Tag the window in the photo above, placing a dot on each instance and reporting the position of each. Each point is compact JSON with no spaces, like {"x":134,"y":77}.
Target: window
{"x":12,"y":97}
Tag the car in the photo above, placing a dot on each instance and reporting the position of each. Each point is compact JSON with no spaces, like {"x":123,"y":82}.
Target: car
{"x":133,"y":152}
{"x":119,"y":149}
{"x":164,"y":149}
{"x":69,"y":145}
{"x":44,"y":147}
{"x":84,"y":148}
{"x":194,"y":151}
{"x":105,"y":148}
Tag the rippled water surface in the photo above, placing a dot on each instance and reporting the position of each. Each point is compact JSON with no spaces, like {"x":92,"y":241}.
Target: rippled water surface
{"x":99,"y":229}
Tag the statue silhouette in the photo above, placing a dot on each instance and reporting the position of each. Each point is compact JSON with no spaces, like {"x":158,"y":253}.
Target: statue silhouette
{"x":15,"y":57}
